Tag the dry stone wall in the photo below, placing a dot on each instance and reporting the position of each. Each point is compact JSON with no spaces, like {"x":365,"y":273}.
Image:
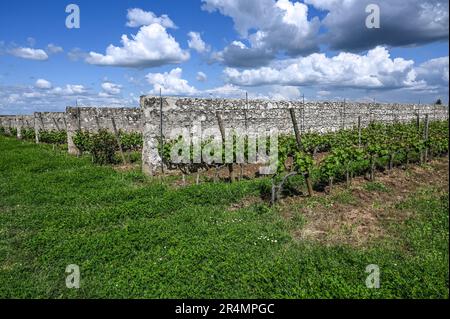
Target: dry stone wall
{"x":17,"y":122}
{"x":49,"y":121}
{"x":92,"y":119}
{"x":248,"y":116}
{"x":24,"y":122}
{"x":8,"y":122}
{"x":254,"y":115}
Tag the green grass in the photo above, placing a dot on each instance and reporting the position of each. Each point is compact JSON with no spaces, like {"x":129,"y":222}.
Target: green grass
{"x":135,"y":237}
{"x":376,"y":187}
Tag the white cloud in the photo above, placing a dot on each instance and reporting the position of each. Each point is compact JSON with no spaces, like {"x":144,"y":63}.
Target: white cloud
{"x":29,"y":53}
{"x":111,"y":88}
{"x":151,"y":46}
{"x":246,"y":15}
{"x":237,"y":54}
{"x":196,"y":43}
{"x":323,"y":93}
{"x":138,"y":17}
{"x":284,"y":93}
{"x":13,"y":98}
{"x":270,"y":27}
{"x":375,"y":70}
{"x":43,"y":84}
{"x":434,"y":72}
{"x":29,"y":99}
{"x":273,"y":27}
{"x":227,"y":90}
{"x":76,"y":54}
{"x":201,"y":77}
{"x":170,"y":83}
{"x":403,"y":23}
{"x":31,"y":41}
{"x":70,"y":89}
{"x":53,"y":49}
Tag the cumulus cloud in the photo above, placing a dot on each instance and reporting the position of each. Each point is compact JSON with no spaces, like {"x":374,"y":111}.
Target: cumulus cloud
{"x":76,"y":54}
{"x":434,"y":72}
{"x":69,"y":89}
{"x":29,"y":53}
{"x":29,"y":99}
{"x":43,"y":84}
{"x":227,"y":90}
{"x":31,"y":42}
{"x":201,"y":77}
{"x":237,"y":54}
{"x":403,"y":23}
{"x":53,"y":49}
{"x":170,"y":83}
{"x":285,"y":93}
{"x":138,"y":17}
{"x":269,"y":26}
{"x":375,"y":70}
{"x":323,"y":93}
{"x":196,"y":43}
{"x":433,"y":77}
{"x":151,"y":46}
{"x":110,"y":88}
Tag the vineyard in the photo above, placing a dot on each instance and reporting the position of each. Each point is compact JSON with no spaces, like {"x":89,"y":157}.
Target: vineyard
{"x":320,"y":160}
{"x":335,"y":203}
{"x":55,"y":137}
{"x":225,"y":158}
{"x":136,"y":236}
{"x":103,"y":146}
{"x":324,"y":159}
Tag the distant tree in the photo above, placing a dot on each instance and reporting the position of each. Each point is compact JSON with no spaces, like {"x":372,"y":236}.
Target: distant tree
{"x":438,"y":102}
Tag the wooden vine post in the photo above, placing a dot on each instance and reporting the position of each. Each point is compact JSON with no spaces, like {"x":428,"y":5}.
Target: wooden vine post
{"x":37,"y":131}
{"x":222,"y":133}
{"x":303,"y":113}
{"x":119,"y":143}
{"x":79,"y":152}
{"x":425,"y":135}
{"x":56,"y":124}
{"x":298,"y":137}
{"x":245,"y":111}
{"x":359,"y":131}
{"x":241,"y":165}
{"x":57,"y":128}
{"x":9,"y":126}
{"x":161,"y":136}
{"x":300,"y":148}
{"x":19,"y":125}
{"x":343,"y":115}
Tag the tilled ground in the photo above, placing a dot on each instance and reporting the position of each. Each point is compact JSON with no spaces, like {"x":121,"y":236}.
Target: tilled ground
{"x":357,"y":214}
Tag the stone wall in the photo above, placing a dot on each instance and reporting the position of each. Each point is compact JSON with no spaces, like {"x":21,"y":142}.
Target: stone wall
{"x":49,"y":121}
{"x":23,"y":122}
{"x":7,"y":122}
{"x":17,"y":121}
{"x":256,"y":115}
{"x":92,"y":119}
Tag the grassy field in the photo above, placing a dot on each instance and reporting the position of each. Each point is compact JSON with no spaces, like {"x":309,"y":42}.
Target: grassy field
{"x":134,"y":237}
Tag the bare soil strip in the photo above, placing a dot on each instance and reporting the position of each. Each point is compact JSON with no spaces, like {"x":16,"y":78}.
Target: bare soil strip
{"x":356,"y":215}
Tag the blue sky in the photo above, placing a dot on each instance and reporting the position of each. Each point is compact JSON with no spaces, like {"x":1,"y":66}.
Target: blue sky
{"x":277,"y":49}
